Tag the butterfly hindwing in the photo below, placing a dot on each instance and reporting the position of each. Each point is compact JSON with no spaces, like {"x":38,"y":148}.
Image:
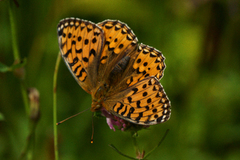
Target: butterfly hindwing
{"x":145,"y":61}
{"x":143,"y":103}
{"x":81,"y":45}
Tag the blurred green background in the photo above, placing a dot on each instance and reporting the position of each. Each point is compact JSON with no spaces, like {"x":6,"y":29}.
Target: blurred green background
{"x":201,"y":43}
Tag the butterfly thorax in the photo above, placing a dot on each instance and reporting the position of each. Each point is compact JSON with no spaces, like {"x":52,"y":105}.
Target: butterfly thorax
{"x":99,"y":96}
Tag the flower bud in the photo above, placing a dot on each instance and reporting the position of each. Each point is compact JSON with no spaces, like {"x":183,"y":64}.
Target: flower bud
{"x":33,"y":96}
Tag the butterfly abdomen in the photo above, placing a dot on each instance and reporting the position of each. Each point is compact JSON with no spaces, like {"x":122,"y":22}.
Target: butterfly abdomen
{"x":118,"y":69}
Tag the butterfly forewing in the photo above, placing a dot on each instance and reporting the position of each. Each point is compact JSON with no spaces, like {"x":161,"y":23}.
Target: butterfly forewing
{"x":120,"y":42}
{"x":81,"y":45}
{"x":143,"y":103}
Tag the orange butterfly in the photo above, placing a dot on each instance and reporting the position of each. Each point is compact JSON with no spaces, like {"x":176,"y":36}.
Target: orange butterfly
{"x":121,"y":75}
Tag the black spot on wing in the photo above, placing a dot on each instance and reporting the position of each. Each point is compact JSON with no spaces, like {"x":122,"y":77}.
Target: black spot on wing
{"x":121,"y":106}
{"x":135,"y":90}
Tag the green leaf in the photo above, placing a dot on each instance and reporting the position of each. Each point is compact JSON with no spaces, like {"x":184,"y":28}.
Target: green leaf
{"x":19,"y":65}
{"x":4,"y":68}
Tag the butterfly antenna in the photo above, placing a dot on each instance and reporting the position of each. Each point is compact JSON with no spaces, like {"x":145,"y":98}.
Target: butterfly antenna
{"x":71,"y":117}
{"x":92,"y":129}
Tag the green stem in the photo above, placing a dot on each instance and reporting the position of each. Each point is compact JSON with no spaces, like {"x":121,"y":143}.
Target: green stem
{"x":13,"y":31}
{"x":27,"y":153}
{"x":159,"y":143}
{"x":113,"y":147}
{"x":135,"y":144}
{"x":55,"y":106}
{"x":25,"y":98}
{"x":16,"y":54}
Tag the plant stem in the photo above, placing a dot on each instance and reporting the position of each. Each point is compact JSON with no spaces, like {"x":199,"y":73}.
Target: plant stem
{"x":159,"y":143}
{"x":13,"y":31}
{"x":28,"y":151}
{"x":135,"y":144}
{"x":55,"y":106}
{"x":113,"y":147}
{"x":25,"y":98}
{"x":16,"y":54}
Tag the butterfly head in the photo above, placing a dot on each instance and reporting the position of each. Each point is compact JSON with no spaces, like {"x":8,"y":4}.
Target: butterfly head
{"x":96,"y":106}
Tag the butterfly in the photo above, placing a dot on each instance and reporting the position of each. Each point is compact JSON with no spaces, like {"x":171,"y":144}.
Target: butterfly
{"x":121,"y":75}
